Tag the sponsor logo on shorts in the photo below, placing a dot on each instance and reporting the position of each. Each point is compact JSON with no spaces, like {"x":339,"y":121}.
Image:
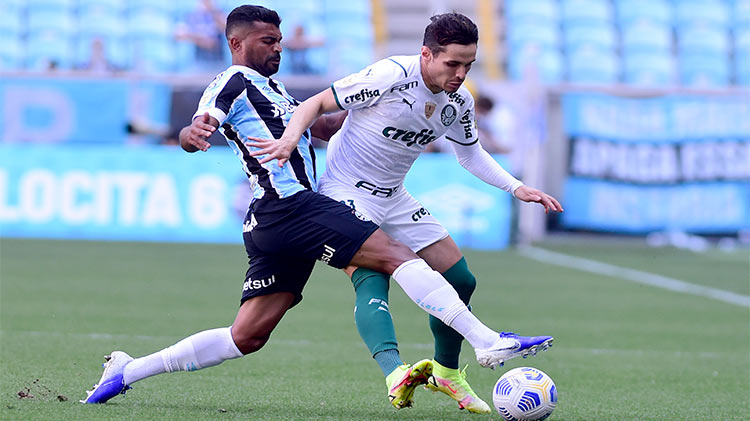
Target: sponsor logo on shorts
{"x":448,"y":115}
{"x":362,"y":95}
{"x":416,"y":216}
{"x":405,"y":86}
{"x":254,"y":284}
{"x":249,"y":225}
{"x":375,"y":190}
{"x":409,"y":137}
{"x":327,"y":254}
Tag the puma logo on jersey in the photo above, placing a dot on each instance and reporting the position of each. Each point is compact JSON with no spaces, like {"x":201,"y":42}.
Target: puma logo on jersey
{"x":410,"y":104}
{"x":362,"y":95}
{"x":423,"y":137}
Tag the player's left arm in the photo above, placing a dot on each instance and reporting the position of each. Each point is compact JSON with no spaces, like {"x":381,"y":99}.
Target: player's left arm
{"x":464,"y":139}
{"x":302,"y":119}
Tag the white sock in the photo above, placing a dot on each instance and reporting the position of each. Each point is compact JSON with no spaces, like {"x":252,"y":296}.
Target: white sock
{"x":204,"y":349}
{"x":435,"y":295}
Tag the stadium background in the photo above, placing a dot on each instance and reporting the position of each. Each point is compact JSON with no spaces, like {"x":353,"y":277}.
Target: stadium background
{"x":634,"y":113}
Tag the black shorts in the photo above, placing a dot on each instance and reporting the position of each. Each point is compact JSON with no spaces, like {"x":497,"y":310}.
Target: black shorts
{"x":284,"y":238}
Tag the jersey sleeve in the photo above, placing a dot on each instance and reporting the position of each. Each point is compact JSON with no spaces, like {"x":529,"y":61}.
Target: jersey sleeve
{"x":463,"y":131}
{"x":365,"y":88}
{"x":219,"y":96}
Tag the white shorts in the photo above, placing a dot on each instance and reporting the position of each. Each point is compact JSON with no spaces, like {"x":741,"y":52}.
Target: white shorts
{"x":399,"y":214}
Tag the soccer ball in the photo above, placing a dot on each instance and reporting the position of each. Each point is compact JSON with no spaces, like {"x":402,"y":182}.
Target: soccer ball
{"x":524,"y":394}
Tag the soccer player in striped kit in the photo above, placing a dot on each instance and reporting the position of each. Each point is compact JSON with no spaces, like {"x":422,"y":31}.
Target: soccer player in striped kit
{"x":289,"y":226}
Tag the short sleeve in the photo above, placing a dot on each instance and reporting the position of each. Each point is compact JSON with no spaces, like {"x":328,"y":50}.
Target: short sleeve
{"x":219,"y":96}
{"x":364,"y":89}
{"x":463,"y":130}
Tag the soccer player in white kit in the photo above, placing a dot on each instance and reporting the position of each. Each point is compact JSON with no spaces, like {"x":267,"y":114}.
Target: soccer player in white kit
{"x":396,"y":107}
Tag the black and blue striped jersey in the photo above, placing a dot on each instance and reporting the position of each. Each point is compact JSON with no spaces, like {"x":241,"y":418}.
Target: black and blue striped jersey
{"x":248,"y":104}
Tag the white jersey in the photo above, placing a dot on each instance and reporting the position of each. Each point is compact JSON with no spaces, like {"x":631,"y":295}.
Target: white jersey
{"x":393,"y":116}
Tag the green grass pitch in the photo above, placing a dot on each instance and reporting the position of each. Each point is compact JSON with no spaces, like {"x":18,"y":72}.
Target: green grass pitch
{"x":622,"y":350}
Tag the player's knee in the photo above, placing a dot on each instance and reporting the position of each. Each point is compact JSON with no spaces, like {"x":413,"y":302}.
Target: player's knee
{"x":462,"y":280}
{"x":396,"y":254}
{"x":248,"y":343}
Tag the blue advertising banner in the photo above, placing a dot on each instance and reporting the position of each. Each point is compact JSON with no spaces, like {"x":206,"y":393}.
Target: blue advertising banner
{"x":76,"y":110}
{"x":160,"y":193}
{"x":649,"y":164}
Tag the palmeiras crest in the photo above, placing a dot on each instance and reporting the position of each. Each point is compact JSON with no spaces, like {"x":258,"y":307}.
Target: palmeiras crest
{"x":448,"y":115}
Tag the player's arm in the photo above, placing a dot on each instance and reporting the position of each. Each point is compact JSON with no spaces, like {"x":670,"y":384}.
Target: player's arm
{"x":302,"y":119}
{"x":480,"y":163}
{"x":326,"y":125}
{"x":194,"y":137}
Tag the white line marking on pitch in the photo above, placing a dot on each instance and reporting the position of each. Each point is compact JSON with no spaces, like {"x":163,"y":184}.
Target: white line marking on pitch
{"x":646,"y":278}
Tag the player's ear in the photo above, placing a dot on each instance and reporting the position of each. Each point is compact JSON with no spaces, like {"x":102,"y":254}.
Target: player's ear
{"x":235,"y":44}
{"x":426,"y":53}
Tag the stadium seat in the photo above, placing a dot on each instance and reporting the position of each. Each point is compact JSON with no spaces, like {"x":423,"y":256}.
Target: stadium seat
{"x":351,"y":31}
{"x":539,"y":11}
{"x":742,"y":68}
{"x":41,"y":20}
{"x":592,"y":65}
{"x":520,"y":35}
{"x":704,"y":70}
{"x":11,"y":52}
{"x":54,"y":6}
{"x":154,"y":55}
{"x":116,"y":6}
{"x":601,"y":35}
{"x":353,"y":8}
{"x":116,"y":48}
{"x":533,"y":62}
{"x":648,"y":69}
{"x":742,"y":41}
{"x":97,"y":21}
{"x":646,"y":35}
{"x":48,"y":47}
{"x":703,"y":39}
{"x":167,"y":7}
{"x":693,"y":12}
{"x":631,"y":11}
{"x":580,"y":11}
{"x":150,"y":23}
{"x":741,"y":14}
{"x":11,"y":22}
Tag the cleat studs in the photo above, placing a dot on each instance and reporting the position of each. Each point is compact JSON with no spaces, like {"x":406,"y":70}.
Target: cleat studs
{"x":107,"y":357}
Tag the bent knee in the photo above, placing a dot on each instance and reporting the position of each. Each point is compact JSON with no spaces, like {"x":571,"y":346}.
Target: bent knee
{"x":248,"y":344}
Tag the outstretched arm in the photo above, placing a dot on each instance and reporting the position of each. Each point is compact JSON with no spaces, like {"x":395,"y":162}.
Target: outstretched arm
{"x":480,"y":163}
{"x":301,"y":120}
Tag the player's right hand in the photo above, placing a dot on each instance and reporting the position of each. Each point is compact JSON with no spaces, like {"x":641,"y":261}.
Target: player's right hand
{"x":194,"y":138}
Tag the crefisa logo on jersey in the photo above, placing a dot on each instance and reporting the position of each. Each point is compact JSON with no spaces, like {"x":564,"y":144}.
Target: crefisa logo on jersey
{"x":362,"y":95}
{"x":448,"y":115}
{"x":457,"y":98}
{"x":467,"y":122}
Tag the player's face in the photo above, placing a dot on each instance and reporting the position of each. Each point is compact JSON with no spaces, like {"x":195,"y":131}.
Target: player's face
{"x":447,"y":70}
{"x":259,"y":47}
